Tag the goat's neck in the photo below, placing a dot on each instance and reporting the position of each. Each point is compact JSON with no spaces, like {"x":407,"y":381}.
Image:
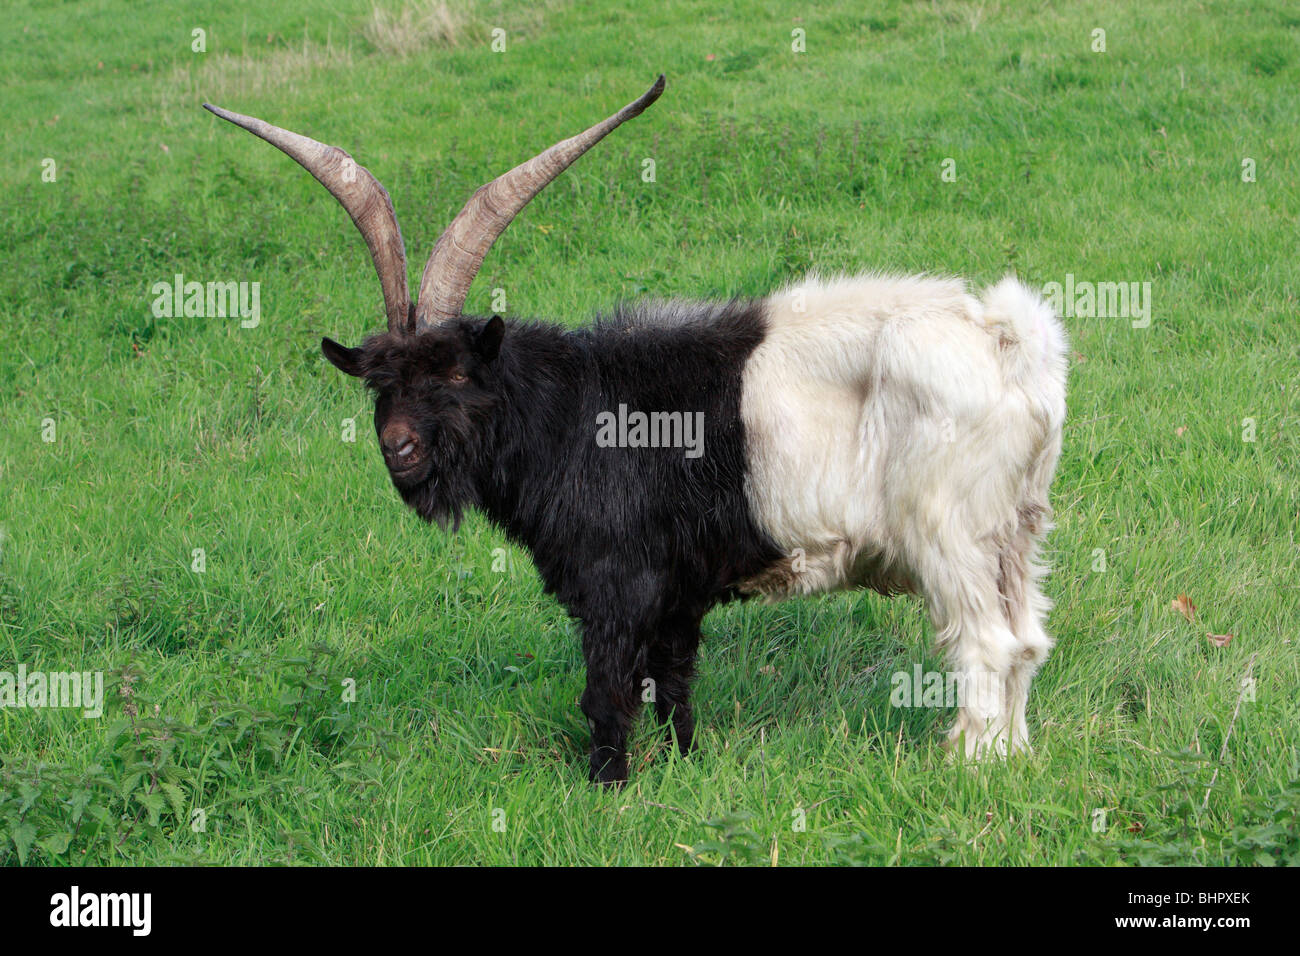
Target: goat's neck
{"x":541,"y":382}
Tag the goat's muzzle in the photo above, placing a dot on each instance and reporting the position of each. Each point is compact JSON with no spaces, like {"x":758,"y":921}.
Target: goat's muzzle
{"x":401,"y":446}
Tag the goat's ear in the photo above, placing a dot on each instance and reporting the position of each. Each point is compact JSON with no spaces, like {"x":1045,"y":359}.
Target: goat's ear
{"x":487,"y":341}
{"x":344,"y":359}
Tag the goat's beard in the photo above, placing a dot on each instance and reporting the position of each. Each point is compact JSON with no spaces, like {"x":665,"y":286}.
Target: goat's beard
{"x":449,"y":486}
{"x":437,"y":502}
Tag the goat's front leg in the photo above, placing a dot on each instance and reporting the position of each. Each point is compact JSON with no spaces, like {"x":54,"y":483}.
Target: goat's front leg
{"x":611,"y":698}
{"x":671,"y":663}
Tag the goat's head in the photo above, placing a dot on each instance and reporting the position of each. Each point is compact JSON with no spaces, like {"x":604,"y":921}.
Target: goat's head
{"x":431,"y":373}
{"x":436,"y":394}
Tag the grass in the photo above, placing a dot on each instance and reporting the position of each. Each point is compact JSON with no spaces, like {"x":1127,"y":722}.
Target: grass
{"x":228,"y":690}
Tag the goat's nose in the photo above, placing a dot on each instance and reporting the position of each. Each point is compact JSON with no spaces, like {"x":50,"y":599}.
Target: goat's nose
{"x":399,"y":440}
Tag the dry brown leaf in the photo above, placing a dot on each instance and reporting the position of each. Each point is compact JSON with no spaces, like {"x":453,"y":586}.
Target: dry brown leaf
{"x":1184,"y":606}
{"x":1220,"y":640}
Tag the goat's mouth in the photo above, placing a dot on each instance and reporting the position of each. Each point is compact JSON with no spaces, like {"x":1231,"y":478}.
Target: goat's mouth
{"x":408,"y":471}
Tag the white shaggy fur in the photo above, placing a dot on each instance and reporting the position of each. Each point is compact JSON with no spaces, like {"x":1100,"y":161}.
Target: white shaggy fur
{"x":903,"y":435}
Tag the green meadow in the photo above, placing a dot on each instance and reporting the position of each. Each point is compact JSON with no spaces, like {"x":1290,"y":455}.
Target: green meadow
{"x":297,"y":670}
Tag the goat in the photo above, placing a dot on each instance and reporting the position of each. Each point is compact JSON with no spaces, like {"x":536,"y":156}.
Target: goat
{"x":897,"y":433}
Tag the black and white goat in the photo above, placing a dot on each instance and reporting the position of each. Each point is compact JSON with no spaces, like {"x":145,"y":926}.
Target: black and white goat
{"x":897,"y":433}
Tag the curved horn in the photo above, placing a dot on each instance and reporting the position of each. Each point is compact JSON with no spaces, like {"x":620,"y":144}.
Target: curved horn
{"x":460,"y":251}
{"x":360,"y":194}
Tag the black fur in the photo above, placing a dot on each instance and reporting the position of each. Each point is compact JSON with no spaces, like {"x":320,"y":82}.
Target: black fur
{"x":637,"y":543}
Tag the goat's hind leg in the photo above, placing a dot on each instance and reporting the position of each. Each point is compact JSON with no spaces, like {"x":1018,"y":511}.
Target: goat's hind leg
{"x":1025,"y":608}
{"x":966,"y":609}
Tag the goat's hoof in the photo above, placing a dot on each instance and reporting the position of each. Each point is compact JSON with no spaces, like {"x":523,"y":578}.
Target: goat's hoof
{"x":685,"y":745}
{"x":978,"y":745}
{"x":609,"y":773}
{"x":1020,"y":746}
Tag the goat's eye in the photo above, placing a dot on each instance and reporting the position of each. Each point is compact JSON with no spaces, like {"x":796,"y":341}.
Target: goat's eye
{"x":457,"y":378}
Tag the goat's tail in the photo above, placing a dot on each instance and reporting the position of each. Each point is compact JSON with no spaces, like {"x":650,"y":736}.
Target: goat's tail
{"x":1032,"y":341}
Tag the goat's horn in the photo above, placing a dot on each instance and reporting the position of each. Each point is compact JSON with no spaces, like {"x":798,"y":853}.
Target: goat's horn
{"x":361,"y":195}
{"x":460,"y":251}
